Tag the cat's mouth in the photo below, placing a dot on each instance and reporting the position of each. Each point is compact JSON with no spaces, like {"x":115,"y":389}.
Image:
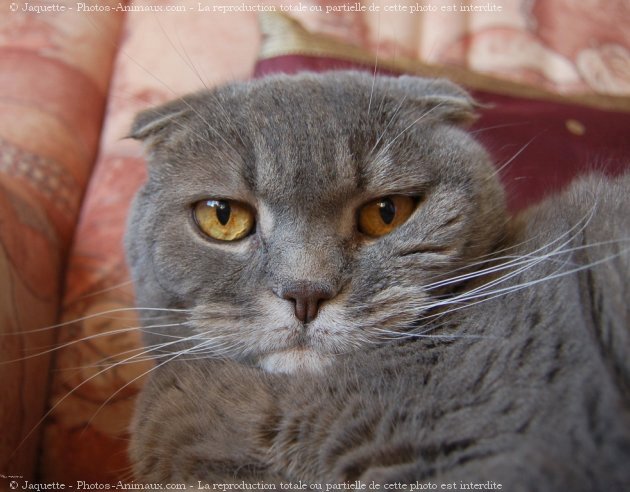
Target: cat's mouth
{"x":274,"y":340}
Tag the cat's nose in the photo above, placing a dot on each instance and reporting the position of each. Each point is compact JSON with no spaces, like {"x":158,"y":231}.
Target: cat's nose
{"x":307,"y":297}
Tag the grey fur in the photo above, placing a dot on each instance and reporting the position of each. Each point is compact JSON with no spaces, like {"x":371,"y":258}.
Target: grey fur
{"x":417,"y":369}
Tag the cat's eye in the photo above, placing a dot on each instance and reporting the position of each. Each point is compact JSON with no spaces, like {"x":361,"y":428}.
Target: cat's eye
{"x":382,"y":216}
{"x":225,"y":220}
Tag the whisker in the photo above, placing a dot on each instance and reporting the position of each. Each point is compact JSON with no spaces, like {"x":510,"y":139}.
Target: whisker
{"x":108,"y":289}
{"x":185,"y":57}
{"x":145,"y":349}
{"x":378,"y":44}
{"x":580,"y":228}
{"x":87,"y":338}
{"x":518,"y":152}
{"x":73,"y":390}
{"x":158,"y":365}
{"x":402,"y":132}
{"x":494,"y":127}
{"x":486,"y":296}
{"x":188,"y":62}
{"x":163,"y":84}
{"x":96,"y":315}
{"x":402,"y":334}
{"x":391,"y":120}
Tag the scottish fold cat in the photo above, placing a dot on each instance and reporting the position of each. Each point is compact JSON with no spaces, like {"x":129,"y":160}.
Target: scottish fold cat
{"x":347,"y":302}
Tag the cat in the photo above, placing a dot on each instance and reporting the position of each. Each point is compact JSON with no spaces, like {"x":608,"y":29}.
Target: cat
{"x":350,"y":305}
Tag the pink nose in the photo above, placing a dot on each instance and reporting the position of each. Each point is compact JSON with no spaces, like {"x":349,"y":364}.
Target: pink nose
{"x":307,"y":298}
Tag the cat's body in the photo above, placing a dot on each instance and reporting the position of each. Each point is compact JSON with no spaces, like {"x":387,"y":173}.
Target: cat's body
{"x":518,"y":374}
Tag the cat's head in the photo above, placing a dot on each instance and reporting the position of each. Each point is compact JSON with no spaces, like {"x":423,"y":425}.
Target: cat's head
{"x":294,"y":219}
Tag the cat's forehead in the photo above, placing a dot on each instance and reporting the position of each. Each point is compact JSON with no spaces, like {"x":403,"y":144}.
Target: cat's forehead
{"x":306,"y":148}
{"x":308,"y":170}
{"x":314,"y":141}
{"x":308,"y":140}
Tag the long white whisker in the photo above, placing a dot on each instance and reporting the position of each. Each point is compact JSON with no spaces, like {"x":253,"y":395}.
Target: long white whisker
{"x":144,"y":349}
{"x":188,"y":61}
{"x":394,"y":335}
{"x":494,"y":127}
{"x":111,"y":397}
{"x":378,"y":44}
{"x":84,"y":382}
{"x":519,"y":152}
{"x":97,"y":315}
{"x":108,"y":289}
{"x":88,"y":338}
{"x":535,"y":260}
{"x":486,"y":296}
{"x":572,"y":233}
{"x":391,"y":120}
{"x":402,"y":132}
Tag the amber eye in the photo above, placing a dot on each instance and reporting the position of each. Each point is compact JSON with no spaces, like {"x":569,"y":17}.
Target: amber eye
{"x":225,"y":220}
{"x":382,"y":216}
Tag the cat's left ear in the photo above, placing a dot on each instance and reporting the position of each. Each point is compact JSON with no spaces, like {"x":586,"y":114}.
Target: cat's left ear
{"x":153,"y":121}
{"x":439,"y":98}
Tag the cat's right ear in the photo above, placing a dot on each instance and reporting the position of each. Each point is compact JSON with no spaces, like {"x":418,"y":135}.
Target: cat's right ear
{"x":154,"y":121}
{"x":437,"y":98}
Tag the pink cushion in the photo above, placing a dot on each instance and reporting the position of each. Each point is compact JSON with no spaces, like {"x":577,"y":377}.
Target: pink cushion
{"x":54,"y":76}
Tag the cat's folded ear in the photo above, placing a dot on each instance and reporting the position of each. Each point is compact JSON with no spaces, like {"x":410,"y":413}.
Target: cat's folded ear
{"x":153,"y":121}
{"x":439,"y":98}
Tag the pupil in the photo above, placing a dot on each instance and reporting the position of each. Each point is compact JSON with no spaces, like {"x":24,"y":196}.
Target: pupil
{"x":223,"y":212}
{"x":387,"y":209}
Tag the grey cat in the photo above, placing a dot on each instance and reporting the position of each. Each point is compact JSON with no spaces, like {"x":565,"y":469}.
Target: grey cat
{"x":343,"y":298}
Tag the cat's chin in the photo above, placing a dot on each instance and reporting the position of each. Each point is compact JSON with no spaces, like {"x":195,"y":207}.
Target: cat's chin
{"x":291,"y":361}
